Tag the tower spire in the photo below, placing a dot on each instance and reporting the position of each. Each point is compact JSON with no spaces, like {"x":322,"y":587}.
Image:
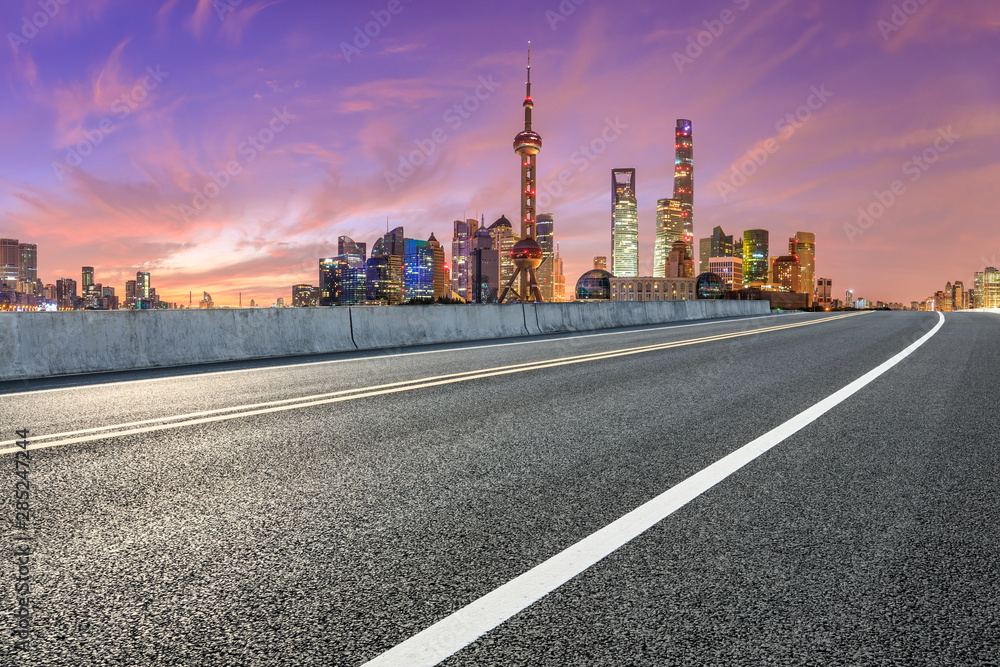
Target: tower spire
{"x":528,"y":103}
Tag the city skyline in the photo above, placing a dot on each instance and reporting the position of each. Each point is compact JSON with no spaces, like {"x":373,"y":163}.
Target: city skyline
{"x":826,"y":140}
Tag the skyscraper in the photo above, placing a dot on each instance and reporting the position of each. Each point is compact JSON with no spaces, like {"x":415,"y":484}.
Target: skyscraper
{"x":684,"y":177}
{"x":624,"y":224}
{"x":437,"y":256}
{"x":328,"y":287}
{"x":28,"y":272}
{"x":526,"y":254}
{"x":418,"y":272}
{"x":351,"y":279}
{"x":461,"y":257}
{"x":142,"y":286}
{"x":756,"y":264}
{"x":803,"y":246}
{"x":558,"y":278}
{"x":545,"y":230}
{"x":504,"y":238}
{"x":485,"y":270}
{"x":787,"y":272}
{"x":10,"y":262}
{"x":669,"y":228}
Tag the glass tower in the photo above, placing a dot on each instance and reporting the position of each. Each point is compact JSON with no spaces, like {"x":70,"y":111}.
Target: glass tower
{"x":544,"y":230}
{"x":684,"y":177}
{"x":625,"y":224}
{"x":755,"y":256}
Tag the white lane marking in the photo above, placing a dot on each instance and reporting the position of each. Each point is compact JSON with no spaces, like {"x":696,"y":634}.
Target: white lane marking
{"x":365,"y":358}
{"x":453,"y":633}
{"x":238,"y":412}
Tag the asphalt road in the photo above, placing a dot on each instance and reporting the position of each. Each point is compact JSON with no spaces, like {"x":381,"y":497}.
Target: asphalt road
{"x":330,"y":521}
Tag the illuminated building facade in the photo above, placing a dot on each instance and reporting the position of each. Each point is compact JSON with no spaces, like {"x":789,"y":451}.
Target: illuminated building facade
{"x":601,"y":263}
{"x":385,"y":279}
{"x":624,"y":224}
{"x":545,"y":235}
{"x":504,"y":238}
{"x":418,"y":272}
{"x":680,"y":263}
{"x":328,"y":288}
{"x":803,"y":246}
{"x":461,"y":257}
{"x":669,"y":228}
{"x":756,"y":264}
{"x":988,"y":288}
{"x":558,"y":278}
{"x":730,"y":269}
{"x":10,"y":262}
{"x":485,"y":268}
{"x":653,"y":289}
{"x":684,"y":178}
{"x":441,"y":288}
{"x":787,"y":272}
{"x":303,"y":296}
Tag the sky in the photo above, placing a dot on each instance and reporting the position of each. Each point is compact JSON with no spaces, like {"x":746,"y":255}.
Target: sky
{"x":225,"y":145}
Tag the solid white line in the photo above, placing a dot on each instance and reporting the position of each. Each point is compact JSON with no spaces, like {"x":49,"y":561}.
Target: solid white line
{"x":455,"y":632}
{"x":364,"y":358}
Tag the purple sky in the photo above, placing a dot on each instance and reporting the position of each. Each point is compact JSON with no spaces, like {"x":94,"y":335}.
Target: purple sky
{"x":182,"y":85}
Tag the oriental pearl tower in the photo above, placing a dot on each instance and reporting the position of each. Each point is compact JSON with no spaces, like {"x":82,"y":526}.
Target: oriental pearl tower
{"x":526,"y":253}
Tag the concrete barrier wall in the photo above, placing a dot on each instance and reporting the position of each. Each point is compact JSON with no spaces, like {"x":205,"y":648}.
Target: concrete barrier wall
{"x":34,"y":345}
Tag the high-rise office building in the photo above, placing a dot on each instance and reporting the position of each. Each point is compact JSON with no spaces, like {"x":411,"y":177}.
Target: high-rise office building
{"x":558,"y":278}
{"x":87,"y":273}
{"x":461,"y":257}
{"x":329,"y":290}
{"x":351,"y":279}
{"x":28,"y":271}
{"x":988,"y":288}
{"x":730,"y":269}
{"x":624,"y":224}
{"x":717,"y":245}
{"x":958,"y":296}
{"x":504,"y":238}
{"x":142,"y":286}
{"x":545,"y":235}
{"x":441,"y":288}
{"x":803,"y":246}
{"x":787,"y":272}
{"x":10,"y":262}
{"x":66,"y":293}
{"x":756,"y":261}
{"x":684,"y":177}
{"x":418,"y":272}
{"x":669,"y":228}
{"x":485,"y":268}
{"x":385,"y":279}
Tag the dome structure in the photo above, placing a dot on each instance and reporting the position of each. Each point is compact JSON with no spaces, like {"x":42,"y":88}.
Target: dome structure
{"x":594,"y":285}
{"x":501,"y":222}
{"x":709,"y":286}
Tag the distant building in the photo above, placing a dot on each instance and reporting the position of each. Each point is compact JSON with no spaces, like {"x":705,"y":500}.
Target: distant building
{"x":504,"y":237}
{"x":142,"y":286}
{"x":756,"y":264}
{"x":803,"y":246}
{"x":485,"y":268}
{"x":680,"y":264}
{"x":652,"y":288}
{"x":545,"y":235}
{"x":385,"y":279}
{"x":600,"y":263}
{"x":461,"y":257}
{"x":66,"y":294}
{"x":730,"y":269}
{"x":684,"y":179}
{"x":440,"y":287}
{"x":624,"y":223}
{"x":418,"y":272}
{"x":559,"y":278}
{"x":824,"y":293}
{"x":304,"y":296}
{"x":10,"y":263}
{"x":987,"y":288}
{"x":328,"y":281}
{"x":787,"y":272}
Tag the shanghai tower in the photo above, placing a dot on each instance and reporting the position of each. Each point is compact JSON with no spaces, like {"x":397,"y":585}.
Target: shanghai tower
{"x":684,"y":178}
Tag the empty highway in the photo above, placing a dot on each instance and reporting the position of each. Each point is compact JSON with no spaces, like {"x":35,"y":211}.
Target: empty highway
{"x":813,"y":489}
